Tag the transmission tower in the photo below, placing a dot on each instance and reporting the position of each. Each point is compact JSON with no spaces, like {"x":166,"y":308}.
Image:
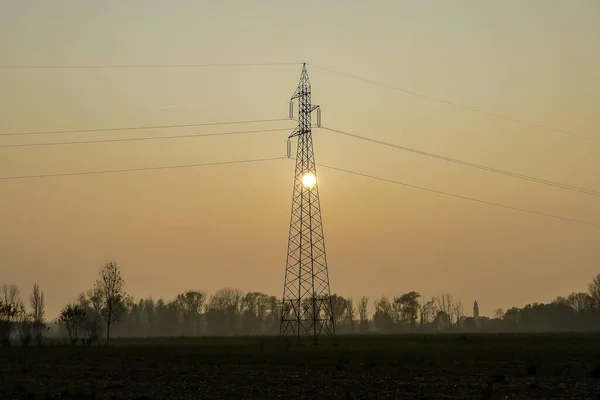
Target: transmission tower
{"x":306,"y":306}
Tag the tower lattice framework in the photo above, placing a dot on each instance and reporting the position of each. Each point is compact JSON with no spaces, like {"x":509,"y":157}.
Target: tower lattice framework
{"x":306,"y":304}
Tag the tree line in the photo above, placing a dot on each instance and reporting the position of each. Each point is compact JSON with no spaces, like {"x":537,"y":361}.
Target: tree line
{"x":106,"y":310}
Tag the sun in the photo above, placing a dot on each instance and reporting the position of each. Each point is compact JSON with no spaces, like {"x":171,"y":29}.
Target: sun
{"x":309,"y":180}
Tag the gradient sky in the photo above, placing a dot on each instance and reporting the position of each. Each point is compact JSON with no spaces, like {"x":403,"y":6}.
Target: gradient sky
{"x":210,"y":227}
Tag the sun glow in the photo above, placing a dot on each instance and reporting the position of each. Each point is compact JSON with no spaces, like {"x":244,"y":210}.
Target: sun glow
{"x":309,"y":180}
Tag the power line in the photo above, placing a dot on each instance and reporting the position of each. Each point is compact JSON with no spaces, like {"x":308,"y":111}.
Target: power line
{"x":148,"y":65}
{"x":469,"y":164}
{"x":143,"y":169}
{"x":493,"y":114}
{"x":461,"y":197}
{"x":142,"y":138}
{"x":133,"y":128}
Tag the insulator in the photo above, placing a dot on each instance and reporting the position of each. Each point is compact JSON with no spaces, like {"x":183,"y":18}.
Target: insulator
{"x":289,"y":148}
{"x":291,"y":109}
{"x":319,"y":117}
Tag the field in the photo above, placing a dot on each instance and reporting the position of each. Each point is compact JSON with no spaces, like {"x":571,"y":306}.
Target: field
{"x":516,"y":366}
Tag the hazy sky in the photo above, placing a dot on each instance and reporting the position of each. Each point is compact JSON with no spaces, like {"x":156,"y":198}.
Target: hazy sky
{"x":210,"y":227}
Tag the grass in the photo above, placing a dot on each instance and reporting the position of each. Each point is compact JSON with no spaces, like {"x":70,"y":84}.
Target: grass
{"x":349,"y":367}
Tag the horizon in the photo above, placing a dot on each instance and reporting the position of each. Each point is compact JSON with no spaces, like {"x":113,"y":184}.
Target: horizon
{"x":458,"y":82}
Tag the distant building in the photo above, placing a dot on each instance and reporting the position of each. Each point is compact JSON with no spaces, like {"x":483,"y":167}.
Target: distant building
{"x":475,"y":311}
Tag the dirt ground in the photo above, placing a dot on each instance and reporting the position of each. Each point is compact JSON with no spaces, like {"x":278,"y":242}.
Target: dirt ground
{"x":524,"y":366}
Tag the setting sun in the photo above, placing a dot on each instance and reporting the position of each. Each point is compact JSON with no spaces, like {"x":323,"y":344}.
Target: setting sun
{"x":309,"y":180}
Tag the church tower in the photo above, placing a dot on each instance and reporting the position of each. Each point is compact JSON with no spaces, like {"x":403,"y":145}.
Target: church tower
{"x":475,"y":311}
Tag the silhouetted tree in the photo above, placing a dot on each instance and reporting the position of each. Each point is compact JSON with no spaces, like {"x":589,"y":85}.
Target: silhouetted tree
{"x":224,"y":310}
{"x":594,"y":288}
{"x":38,"y":310}
{"x":191,"y":304}
{"x":445,"y":307}
{"x":71,"y":319}
{"x":24,"y":326}
{"x":350,"y":314}
{"x":384,"y":315}
{"x":407,"y":308}
{"x":92,"y":326}
{"x":499,"y":313}
{"x":458,"y":311}
{"x":10,"y":306}
{"x":363,"y":315}
{"x":427,"y":312}
{"x":110,"y":295}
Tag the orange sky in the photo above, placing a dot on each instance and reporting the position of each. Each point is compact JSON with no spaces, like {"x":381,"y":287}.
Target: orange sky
{"x":221,"y":226}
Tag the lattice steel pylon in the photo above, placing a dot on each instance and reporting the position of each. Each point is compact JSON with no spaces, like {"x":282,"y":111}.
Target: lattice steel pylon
{"x":306,"y":304}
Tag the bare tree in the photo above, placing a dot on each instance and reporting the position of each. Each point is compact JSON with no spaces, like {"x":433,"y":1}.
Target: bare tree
{"x":594,"y":289}
{"x":10,"y":295}
{"x":109,"y":295}
{"x":363,"y":312}
{"x":427,"y":310}
{"x":8,"y":313}
{"x":499,"y":313}
{"x":580,"y":301}
{"x":92,"y":325}
{"x":350,"y":314}
{"x":444,"y":305}
{"x":458,"y":311}
{"x":37,"y":303}
{"x":24,"y":326}
{"x":38,"y":310}
{"x":225,"y":304}
{"x":10,"y":307}
{"x":191,"y":304}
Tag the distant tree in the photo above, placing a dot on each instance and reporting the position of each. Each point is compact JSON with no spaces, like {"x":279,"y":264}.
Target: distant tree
{"x":149,"y":307}
{"x":407,"y":307}
{"x":36,"y":300}
{"x":384,"y":315}
{"x":254,"y":312}
{"x":363,"y":314}
{"x":458,"y":311}
{"x":581,"y":301}
{"x":24,"y":326}
{"x":274,"y":314}
{"x":511,"y":316}
{"x":594,"y":288}
{"x":10,"y":306}
{"x":427,"y":312}
{"x":8,"y":313}
{"x":469,"y":324}
{"x":37,"y":303}
{"x":71,"y":319}
{"x":167,"y":318}
{"x":92,"y":325}
{"x":340,"y":311}
{"x":191,"y":304}
{"x":499,"y":313}
{"x":350,"y":314}
{"x":10,"y":295}
{"x":109,"y":295}
{"x":441,"y":320}
{"x":223,"y":311}
{"x":445,"y":306}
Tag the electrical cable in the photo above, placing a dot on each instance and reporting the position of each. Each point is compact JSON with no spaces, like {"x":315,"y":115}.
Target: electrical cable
{"x":469,"y":164}
{"x":143,"y":168}
{"x":191,"y":135}
{"x":132,"y":128}
{"x":460,"y":196}
{"x":147,"y":65}
{"x":454,"y":104}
